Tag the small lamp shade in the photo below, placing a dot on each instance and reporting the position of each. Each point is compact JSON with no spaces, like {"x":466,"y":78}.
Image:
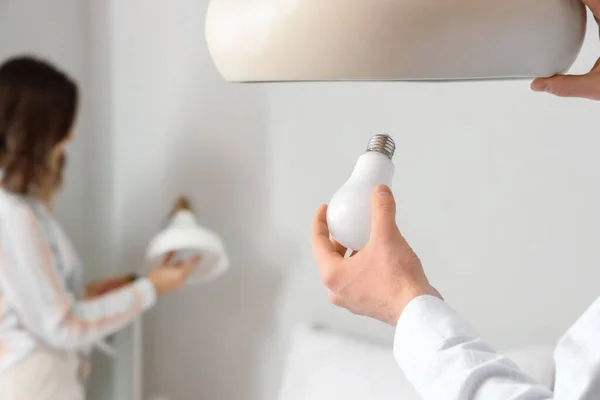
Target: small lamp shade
{"x":387,"y":40}
{"x":184,"y":236}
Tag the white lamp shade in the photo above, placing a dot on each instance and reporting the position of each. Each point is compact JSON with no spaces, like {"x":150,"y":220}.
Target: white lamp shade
{"x":187,"y":238}
{"x":320,"y":40}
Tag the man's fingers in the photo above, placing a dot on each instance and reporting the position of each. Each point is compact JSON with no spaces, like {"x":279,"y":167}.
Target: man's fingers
{"x":323,"y":248}
{"x":341,"y":250}
{"x":594,"y":6}
{"x":582,"y":86}
{"x":383,"y":212}
{"x":321,"y":244}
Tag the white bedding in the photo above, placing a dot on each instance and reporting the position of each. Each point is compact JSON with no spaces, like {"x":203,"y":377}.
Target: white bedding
{"x":323,"y":365}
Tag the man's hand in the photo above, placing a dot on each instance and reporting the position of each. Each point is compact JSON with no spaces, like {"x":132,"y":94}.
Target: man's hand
{"x":381,"y":279}
{"x":585,"y":86}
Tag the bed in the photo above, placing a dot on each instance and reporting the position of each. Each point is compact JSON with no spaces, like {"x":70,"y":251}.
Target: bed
{"x":325,"y":365}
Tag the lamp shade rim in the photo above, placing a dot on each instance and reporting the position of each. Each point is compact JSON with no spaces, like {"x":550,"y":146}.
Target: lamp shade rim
{"x":362,"y":40}
{"x":187,"y":241}
{"x":184,"y":239}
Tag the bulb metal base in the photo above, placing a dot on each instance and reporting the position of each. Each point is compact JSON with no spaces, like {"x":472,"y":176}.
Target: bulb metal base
{"x":382,"y":143}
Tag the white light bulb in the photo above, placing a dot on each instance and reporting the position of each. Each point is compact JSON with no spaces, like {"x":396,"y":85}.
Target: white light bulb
{"x":349,"y":211}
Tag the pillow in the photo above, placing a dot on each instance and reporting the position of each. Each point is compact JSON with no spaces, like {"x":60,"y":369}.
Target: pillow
{"x":323,"y":365}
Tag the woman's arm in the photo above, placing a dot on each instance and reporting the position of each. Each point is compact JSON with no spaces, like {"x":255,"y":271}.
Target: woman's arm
{"x":37,"y":291}
{"x":104,"y":286}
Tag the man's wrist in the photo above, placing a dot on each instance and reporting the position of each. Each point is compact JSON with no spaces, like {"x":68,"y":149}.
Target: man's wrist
{"x":407,"y":296}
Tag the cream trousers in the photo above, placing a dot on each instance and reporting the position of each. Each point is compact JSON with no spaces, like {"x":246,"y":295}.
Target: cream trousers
{"x":44,"y":376}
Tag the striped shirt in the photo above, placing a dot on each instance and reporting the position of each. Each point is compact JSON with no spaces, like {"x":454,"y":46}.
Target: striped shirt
{"x":42,"y":290}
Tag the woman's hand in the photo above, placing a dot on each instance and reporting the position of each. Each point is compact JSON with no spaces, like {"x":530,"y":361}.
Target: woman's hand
{"x":104,"y":286}
{"x":585,"y":86}
{"x":169,"y":277}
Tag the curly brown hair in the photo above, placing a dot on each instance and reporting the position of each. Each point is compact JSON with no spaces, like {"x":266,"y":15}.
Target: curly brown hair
{"x":38,"y":107}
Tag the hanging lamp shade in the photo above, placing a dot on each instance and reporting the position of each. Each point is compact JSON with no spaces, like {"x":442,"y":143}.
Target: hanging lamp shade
{"x":186,"y":238}
{"x":381,"y":40}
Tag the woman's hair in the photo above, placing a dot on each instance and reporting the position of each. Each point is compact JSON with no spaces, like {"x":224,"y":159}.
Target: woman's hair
{"x":38,"y":106}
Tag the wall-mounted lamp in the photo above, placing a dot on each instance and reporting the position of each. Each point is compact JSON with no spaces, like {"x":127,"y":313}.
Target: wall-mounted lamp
{"x":387,"y":40}
{"x":184,"y":236}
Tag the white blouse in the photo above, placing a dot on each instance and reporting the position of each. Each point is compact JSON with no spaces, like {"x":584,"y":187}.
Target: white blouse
{"x":42,"y":300}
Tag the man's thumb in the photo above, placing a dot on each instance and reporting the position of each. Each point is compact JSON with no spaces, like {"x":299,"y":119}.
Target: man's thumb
{"x":383,"y":210}
{"x":583,"y":86}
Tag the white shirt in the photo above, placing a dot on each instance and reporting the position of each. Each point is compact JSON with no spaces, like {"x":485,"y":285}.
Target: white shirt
{"x":42,"y":299}
{"x":445,"y":360}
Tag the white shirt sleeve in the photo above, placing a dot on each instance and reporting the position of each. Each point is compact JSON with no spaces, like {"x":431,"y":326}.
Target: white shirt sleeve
{"x":577,"y":358}
{"x":36,"y":289}
{"x":444,"y":359}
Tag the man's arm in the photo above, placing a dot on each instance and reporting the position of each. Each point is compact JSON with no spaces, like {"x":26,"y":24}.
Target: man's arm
{"x":578,"y":358}
{"x":437,"y":349}
{"x":445,"y":360}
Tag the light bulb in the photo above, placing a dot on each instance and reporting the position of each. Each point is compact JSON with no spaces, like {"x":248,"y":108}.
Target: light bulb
{"x":349,"y":211}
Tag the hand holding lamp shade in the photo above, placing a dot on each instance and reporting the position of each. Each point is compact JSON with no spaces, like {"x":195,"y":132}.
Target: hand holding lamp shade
{"x":186,"y":238}
{"x":389,"y":40}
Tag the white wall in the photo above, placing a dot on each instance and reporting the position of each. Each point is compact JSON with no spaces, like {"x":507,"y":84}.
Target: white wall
{"x":179,"y":128}
{"x":495,"y":185}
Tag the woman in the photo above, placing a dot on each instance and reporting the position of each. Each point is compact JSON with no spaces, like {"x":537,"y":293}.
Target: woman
{"x":49,"y":320}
